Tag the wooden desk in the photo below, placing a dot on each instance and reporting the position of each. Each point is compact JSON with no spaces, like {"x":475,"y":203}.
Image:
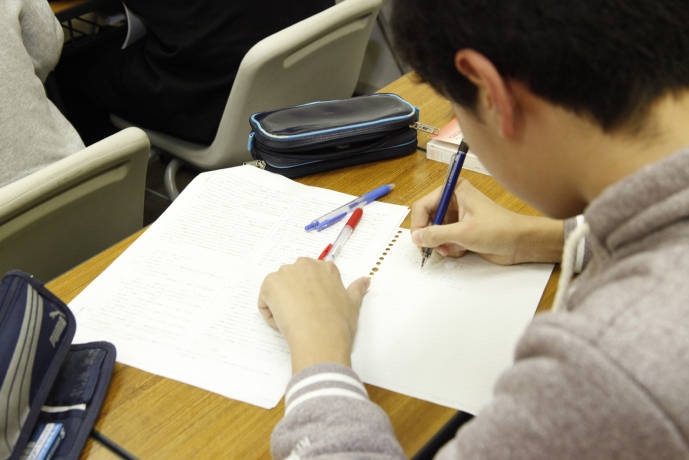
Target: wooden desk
{"x":61,"y":5}
{"x":68,"y":10}
{"x":154,"y":417}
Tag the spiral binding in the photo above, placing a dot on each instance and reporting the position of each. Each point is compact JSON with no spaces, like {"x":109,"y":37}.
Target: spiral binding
{"x":385,"y":252}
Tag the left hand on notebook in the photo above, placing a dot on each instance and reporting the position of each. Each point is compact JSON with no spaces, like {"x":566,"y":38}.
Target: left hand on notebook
{"x":308,"y":303}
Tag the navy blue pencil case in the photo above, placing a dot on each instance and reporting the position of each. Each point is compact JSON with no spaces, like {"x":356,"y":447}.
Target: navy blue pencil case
{"x":44,"y":379}
{"x":325,"y":135}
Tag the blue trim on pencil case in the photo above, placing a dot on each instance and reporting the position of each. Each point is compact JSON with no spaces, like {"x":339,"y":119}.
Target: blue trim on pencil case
{"x":250,"y":142}
{"x":415,"y":110}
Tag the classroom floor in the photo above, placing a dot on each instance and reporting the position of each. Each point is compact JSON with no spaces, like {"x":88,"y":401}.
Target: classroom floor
{"x":156,"y":199}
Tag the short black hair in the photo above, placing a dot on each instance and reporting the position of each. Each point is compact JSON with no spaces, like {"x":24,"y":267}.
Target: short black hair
{"x":606,"y":59}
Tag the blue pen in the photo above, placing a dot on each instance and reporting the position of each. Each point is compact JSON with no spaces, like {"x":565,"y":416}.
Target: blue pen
{"x":448,"y":189}
{"x":330,"y":218}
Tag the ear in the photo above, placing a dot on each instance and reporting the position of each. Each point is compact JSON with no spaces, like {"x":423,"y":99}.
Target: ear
{"x":494,"y":93}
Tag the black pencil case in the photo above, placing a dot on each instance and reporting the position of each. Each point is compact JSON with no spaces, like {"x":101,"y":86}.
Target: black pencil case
{"x":45,"y":381}
{"x":325,"y":135}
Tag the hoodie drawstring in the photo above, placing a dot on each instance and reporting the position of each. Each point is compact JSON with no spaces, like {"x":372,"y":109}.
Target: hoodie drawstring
{"x":571,"y":255}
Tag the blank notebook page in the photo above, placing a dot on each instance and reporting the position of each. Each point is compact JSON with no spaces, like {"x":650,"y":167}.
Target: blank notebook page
{"x":443,"y":333}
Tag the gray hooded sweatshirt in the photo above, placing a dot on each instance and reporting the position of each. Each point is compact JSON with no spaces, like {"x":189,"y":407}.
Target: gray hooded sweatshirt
{"x":33,"y":132}
{"x":606,"y":377}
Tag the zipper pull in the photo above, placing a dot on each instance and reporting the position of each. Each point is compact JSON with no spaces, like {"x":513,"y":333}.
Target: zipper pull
{"x":425,"y":128}
{"x":260,"y":164}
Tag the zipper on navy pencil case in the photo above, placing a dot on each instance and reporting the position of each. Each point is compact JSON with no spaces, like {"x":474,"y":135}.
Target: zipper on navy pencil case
{"x":320,"y":136}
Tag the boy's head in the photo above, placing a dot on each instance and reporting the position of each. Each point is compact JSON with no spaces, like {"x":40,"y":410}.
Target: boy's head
{"x":602,"y":61}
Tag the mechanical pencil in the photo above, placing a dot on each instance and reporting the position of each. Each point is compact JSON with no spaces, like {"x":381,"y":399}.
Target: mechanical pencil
{"x":448,"y":189}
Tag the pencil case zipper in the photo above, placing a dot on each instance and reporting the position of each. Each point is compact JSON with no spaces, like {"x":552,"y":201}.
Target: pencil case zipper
{"x":312,"y":167}
{"x":298,"y":167}
{"x":282,"y":159}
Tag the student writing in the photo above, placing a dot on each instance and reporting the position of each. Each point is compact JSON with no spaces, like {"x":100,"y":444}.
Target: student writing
{"x":577,"y":108}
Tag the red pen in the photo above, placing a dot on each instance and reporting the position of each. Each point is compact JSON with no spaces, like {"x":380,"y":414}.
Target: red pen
{"x":325,"y":251}
{"x":334,"y":248}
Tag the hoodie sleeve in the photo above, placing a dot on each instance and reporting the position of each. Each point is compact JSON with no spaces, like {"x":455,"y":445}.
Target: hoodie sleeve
{"x":328,"y":414}
{"x":33,"y":132}
{"x":42,"y":36}
{"x":562,"y":399}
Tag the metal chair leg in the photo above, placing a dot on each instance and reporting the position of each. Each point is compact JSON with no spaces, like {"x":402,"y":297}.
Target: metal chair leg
{"x":169,"y":177}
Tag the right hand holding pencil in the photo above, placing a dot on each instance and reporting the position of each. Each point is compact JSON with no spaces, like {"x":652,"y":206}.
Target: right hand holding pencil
{"x":476,"y":223}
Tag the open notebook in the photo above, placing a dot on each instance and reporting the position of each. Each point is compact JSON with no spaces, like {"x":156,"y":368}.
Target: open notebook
{"x":181,"y":300}
{"x":443,"y":333}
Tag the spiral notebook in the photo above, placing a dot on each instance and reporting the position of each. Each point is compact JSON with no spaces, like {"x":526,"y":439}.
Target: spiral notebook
{"x":446,"y":332}
{"x":181,"y":300}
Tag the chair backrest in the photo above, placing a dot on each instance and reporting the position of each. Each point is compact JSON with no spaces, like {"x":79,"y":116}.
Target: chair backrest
{"x":72,"y":209}
{"x":318,"y":58}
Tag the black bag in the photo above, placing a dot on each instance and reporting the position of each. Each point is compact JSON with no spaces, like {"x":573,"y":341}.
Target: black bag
{"x":324,"y":135}
{"x":47,"y":385}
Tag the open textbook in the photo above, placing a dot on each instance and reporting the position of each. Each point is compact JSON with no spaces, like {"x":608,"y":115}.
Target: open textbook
{"x":181,"y":301}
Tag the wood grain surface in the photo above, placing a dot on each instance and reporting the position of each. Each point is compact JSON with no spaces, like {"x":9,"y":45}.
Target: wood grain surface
{"x":61,"y":5}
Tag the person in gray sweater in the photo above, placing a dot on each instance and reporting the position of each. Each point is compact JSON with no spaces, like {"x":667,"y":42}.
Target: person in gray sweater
{"x":33,"y":132}
{"x":577,"y":108}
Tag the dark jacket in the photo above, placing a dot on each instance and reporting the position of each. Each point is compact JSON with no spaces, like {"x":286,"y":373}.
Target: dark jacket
{"x":178,"y":77}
